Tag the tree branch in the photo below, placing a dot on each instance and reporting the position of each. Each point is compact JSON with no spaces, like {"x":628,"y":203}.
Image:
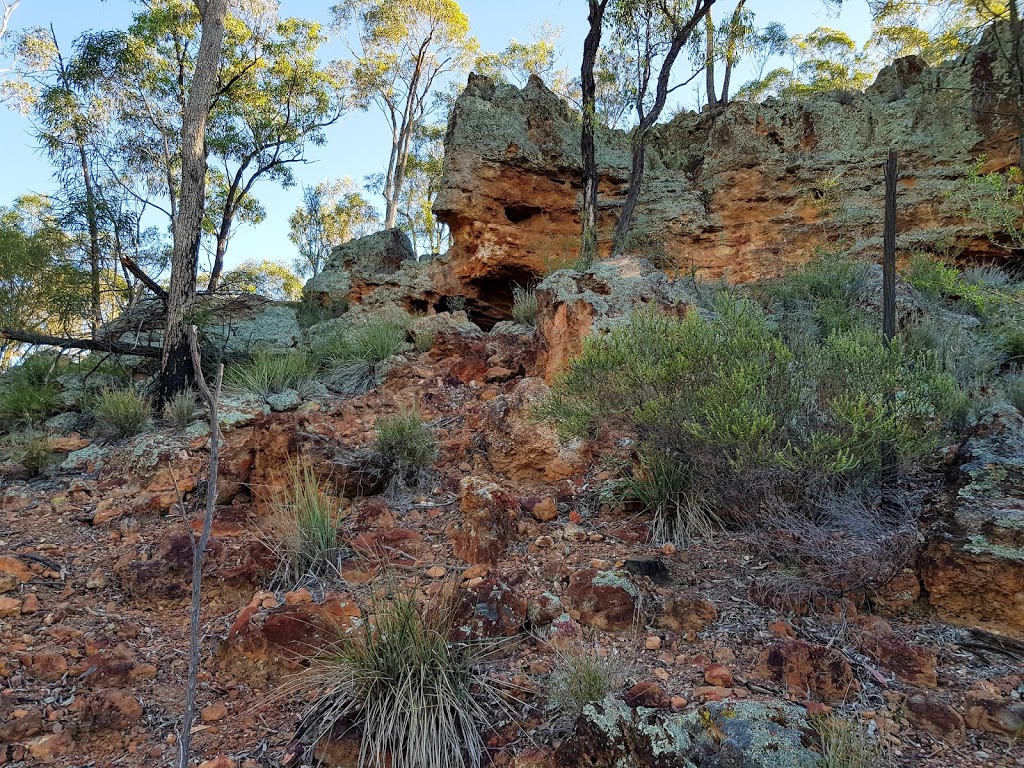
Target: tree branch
{"x":129,"y":263}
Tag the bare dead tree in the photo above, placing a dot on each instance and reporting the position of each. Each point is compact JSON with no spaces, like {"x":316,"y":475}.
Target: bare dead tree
{"x":889,"y":251}
{"x":199,"y":548}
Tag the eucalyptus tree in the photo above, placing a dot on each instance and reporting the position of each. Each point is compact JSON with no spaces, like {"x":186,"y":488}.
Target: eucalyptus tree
{"x":332,"y":213}
{"x":403,"y":51}
{"x":655,"y":34}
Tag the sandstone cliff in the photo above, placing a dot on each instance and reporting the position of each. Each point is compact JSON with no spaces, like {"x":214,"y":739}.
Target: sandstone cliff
{"x":746,"y":191}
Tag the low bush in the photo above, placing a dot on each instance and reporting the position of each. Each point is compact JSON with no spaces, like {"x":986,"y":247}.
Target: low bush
{"x":304,"y":530}
{"x":271,"y":373}
{"x":358,"y":361}
{"x":405,"y":448}
{"x":582,"y":678}
{"x":416,"y":697}
{"x":182,"y":409}
{"x":1013,"y":390}
{"x":120,"y":413}
{"x":726,"y":412}
{"x":30,"y":449}
{"x":24,"y":402}
{"x":524,"y":305}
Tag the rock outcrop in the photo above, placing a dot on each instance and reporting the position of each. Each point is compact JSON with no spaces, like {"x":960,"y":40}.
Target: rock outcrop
{"x":746,"y":191}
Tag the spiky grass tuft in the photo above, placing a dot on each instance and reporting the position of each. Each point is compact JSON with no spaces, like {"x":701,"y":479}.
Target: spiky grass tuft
{"x":846,"y":744}
{"x":582,"y":678}
{"x":415,"y":696}
{"x":121,"y":413}
{"x":358,"y":362}
{"x":182,"y":409}
{"x":405,"y":448}
{"x":524,"y":305}
{"x":304,"y":529}
{"x":271,"y":373}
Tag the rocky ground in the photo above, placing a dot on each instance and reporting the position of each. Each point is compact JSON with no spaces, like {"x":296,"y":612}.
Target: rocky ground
{"x":95,"y":563}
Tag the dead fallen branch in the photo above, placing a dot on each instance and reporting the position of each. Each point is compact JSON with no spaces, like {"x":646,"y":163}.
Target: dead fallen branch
{"x":92,"y":345}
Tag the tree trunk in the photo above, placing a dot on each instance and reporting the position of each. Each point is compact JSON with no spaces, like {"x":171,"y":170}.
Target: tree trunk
{"x":223,"y":236}
{"x":636,"y":176}
{"x":709,"y":63}
{"x":176,"y":370}
{"x":588,"y":245}
{"x":94,"y":242}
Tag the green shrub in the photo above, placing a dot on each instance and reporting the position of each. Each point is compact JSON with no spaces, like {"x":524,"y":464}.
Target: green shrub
{"x":405,"y":447}
{"x":581,"y":679}
{"x":725,"y":410}
{"x":120,"y":413}
{"x":30,"y":449}
{"x":970,"y":356}
{"x":455,"y":303}
{"x":414,"y":695}
{"x":183,"y":409}
{"x":846,"y":744}
{"x":24,"y":402}
{"x":943,"y":282}
{"x":358,"y":361}
{"x":271,"y":373}
{"x":988,"y":277}
{"x":425,"y":341}
{"x":818,"y":298}
{"x":524,"y":305}
{"x":303,"y":530}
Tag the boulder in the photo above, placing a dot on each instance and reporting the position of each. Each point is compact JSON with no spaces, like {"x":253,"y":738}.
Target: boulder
{"x":605,"y":600}
{"x":487,"y":513}
{"x":808,"y":669}
{"x":730,"y":734}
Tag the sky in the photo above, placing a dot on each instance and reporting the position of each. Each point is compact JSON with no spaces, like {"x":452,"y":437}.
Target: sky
{"x":359,"y":143}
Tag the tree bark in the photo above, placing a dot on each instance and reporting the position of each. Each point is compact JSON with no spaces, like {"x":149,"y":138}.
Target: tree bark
{"x":709,"y":62}
{"x":889,"y":252}
{"x":641,"y":132}
{"x":177,"y":371}
{"x":94,"y":242}
{"x":591,"y":45}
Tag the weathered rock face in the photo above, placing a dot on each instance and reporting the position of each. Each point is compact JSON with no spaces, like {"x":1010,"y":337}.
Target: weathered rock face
{"x":974,"y":570}
{"x":746,"y":191}
{"x":379,"y":269}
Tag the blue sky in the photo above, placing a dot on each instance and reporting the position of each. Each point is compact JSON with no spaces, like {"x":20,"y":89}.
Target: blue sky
{"x":358,"y":145}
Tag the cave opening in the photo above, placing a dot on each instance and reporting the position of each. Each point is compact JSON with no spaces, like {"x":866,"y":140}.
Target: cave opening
{"x":493,"y":299}
{"x":517,"y":214}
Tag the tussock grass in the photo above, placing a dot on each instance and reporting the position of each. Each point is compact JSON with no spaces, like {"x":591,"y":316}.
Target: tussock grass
{"x":183,"y":409}
{"x":271,"y":373}
{"x":120,"y":413}
{"x":416,"y":697}
{"x":846,"y":744}
{"x":405,"y":447}
{"x":582,"y":678}
{"x":524,"y":305}
{"x":304,"y":529}
{"x":358,"y":362}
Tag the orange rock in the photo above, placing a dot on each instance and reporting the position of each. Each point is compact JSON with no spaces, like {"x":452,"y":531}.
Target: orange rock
{"x":487,"y":514}
{"x":687,"y":612}
{"x":15,"y":567}
{"x":545,"y":510}
{"x":718,"y":675}
{"x":808,"y":668}
{"x":72,"y":442}
{"x":214,"y":712}
{"x":9,"y":606}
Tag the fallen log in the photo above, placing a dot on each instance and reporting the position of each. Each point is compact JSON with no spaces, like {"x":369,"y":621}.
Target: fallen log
{"x":92,"y":345}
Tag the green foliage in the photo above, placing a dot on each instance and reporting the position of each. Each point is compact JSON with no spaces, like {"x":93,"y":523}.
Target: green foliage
{"x":943,"y":282}
{"x":28,"y":393}
{"x":1013,"y":390}
{"x":725,"y":410}
{"x":265,"y":278}
{"x":995,"y":200}
{"x":846,"y":744}
{"x":815,"y":300}
{"x":120,"y":413}
{"x":581,"y":679}
{"x":30,"y":449}
{"x":332,"y":213}
{"x":455,"y":303}
{"x":271,"y":373}
{"x":524,"y":305}
{"x":358,"y":361}
{"x":183,"y":409}
{"x":303,"y":530}
{"x":425,"y":341}
{"x":406,"y":447}
{"x":415,"y":696}
{"x":43,"y":287}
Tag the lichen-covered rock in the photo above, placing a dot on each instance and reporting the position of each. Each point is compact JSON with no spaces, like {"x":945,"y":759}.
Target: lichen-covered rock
{"x":808,"y":669}
{"x":973,"y":568}
{"x":730,"y":734}
{"x":487,"y":513}
{"x":687,"y":613}
{"x":521,"y":448}
{"x":443,"y":322}
{"x":605,"y":600}
{"x":748,"y":190}
{"x":993,"y":713}
{"x":492,"y":608}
